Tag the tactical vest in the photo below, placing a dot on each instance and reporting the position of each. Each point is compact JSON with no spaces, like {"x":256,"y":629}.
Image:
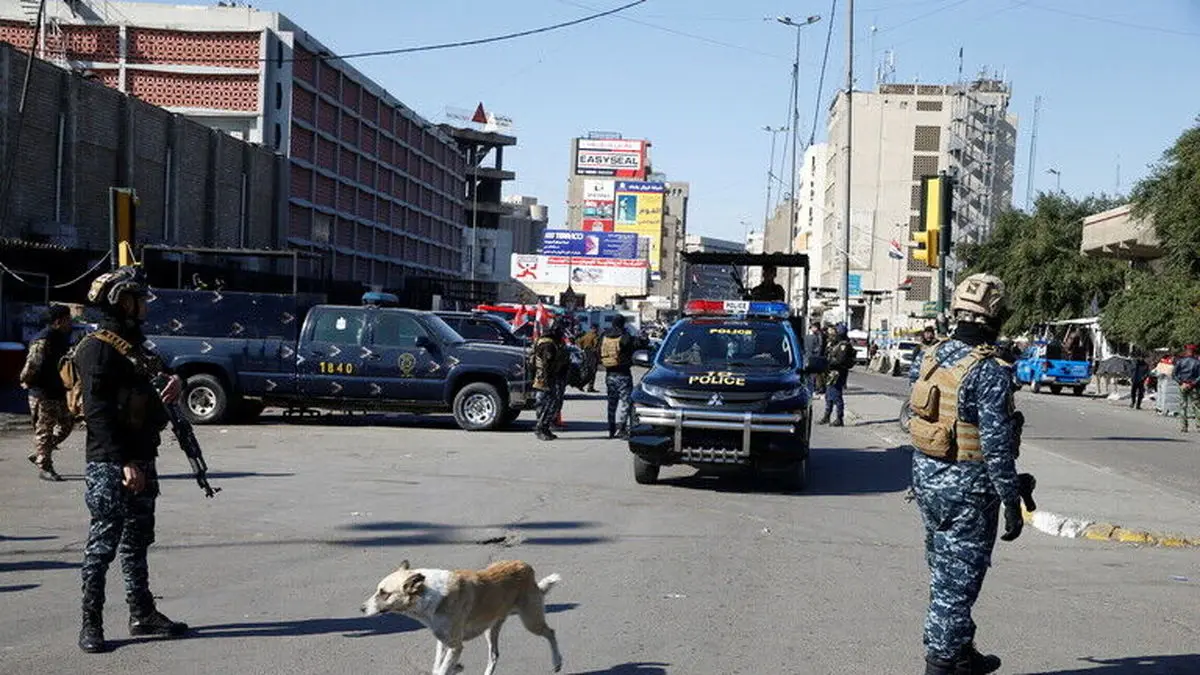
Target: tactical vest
{"x":935,"y":427}
{"x":610,"y":352}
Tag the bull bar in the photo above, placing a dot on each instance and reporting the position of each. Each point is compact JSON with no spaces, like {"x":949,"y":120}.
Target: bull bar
{"x":693,"y":418}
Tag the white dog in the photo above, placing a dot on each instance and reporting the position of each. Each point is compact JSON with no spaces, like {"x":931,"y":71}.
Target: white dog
{"x":459,"y":605}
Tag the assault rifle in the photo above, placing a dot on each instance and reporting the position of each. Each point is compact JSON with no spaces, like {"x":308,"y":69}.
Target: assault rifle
{"x":1025,"y":481}
{"x":182,"y":429}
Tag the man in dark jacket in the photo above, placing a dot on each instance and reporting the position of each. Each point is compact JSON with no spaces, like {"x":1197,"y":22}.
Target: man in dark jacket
{"x":814,"y":345}
{"x":1187,"y":375}
{"x":550,"y":365}
{"x":616,"y":355}
{"x":47,"y":395}
{"x":841,"y":359}
{"x":125,"y":416}
{"x":1137,"y":388}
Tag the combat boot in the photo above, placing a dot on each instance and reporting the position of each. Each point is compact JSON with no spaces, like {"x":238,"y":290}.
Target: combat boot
{"x":91,"y":634}
{"x":837,"y":423}
{"x":150,"y":621}
{"x":971,"y":662}
{"x":824,"y":420}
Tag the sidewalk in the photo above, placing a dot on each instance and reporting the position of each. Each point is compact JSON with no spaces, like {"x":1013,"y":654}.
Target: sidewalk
{"x":1079,"y":494}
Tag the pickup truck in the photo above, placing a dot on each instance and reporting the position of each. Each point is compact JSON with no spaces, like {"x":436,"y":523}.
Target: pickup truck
{"x":1040,"y":365}
{"x":240,"y":352}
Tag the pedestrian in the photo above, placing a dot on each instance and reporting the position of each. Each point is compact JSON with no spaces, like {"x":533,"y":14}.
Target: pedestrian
{"x":590,"y":344}
{"x":125,"y":416}
{"x":616,"y":355}
{"x":1137,"y":385}
{"x":840,"y":355}
{"x":814,"y":346}
{"x":964,"y":470}
{"x":550,"y":362}
{"x":47,"y":395}
{"x":1187,"y":372}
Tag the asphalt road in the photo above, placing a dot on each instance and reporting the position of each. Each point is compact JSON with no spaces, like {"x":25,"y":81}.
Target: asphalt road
{"x":691,"y":576}
{"x":1102,"y":433}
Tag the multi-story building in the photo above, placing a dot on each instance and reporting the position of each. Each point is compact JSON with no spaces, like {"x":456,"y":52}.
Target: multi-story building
{"x":810,"y":216}
{"x":754,"y":244}
{"x":668,"y":286}
{"x":903,"y":132}
{"x":372,"y":185}
{"x":712,"y":281}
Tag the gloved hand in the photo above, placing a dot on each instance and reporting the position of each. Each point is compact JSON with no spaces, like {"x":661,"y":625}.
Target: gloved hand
{"x":1013,"y":522}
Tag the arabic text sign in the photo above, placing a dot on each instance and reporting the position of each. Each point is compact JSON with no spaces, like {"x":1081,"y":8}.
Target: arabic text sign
{"x":607,"y":157}
{"x":589,"y":244}
{"x":580,"y":272}
{"x":639,"y":209}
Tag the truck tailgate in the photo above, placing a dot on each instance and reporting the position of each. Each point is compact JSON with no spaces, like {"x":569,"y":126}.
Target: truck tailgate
{"x":1074,"y":370}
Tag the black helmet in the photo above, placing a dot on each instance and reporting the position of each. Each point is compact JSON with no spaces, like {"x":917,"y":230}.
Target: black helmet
{"x":107,"y":288}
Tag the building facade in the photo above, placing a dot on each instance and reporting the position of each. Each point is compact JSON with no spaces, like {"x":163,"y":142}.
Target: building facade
{"x":374,"y":187}
{"x":810,"y":216}
{"x":712,"y":281}
{"x":903,"y":132}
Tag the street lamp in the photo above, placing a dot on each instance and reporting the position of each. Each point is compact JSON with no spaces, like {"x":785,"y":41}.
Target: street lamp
{"x":795,"y":111}
{"x":1057,"y":179}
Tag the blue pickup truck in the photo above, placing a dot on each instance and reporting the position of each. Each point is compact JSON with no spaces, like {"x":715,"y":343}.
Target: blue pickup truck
{"x":1042,"y":365}
{"x":240,"y":352}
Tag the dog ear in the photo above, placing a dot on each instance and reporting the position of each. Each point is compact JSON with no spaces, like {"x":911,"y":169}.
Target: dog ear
{"x":403,"y":564}
{"x":414,"y":584}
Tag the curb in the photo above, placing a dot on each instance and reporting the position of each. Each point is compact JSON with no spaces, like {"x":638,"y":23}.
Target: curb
{"x":1079,"y":528}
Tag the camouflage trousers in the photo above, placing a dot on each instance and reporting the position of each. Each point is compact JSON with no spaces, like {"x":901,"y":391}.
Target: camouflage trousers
{"x":961,"y":523}
{"x":51,"y":425}
{"x":1189,"y":407}
{"x":620,"y":390}
{"x":549,"y":403}
{"x":122,"y":522}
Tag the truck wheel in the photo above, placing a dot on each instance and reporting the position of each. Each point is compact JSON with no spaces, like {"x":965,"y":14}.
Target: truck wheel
{"x":478,"y":407}
{"x":204,"y":399}
{"x":797,"y":478}
{"x":1056,"y":389}
{"x":1079,"y":389}
{"x":644,"y":472}
{"x":1036,"y":387}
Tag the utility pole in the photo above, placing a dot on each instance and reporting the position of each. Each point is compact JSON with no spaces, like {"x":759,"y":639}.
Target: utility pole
{"x":774,"y":131}
{"x":846,"y":169}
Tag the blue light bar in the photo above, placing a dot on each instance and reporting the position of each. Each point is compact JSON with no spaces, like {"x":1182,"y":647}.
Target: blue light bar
{"x":737,"y":307}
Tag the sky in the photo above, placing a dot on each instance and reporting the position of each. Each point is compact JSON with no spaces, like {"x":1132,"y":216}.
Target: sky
{"x":701,"y":78}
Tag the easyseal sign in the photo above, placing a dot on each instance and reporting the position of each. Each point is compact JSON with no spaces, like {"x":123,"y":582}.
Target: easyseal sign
{"x":610,"y":157}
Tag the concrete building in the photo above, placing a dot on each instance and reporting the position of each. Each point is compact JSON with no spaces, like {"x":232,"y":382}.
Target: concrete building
{"x":810,"y":217}
{"x":901,"y":133}
{"x":1115,"y":233}
{"x":372,"y":185}
{"x":712,"y":281}
{"x":754,"y":244}
{"x":668,"y":288}
{"x":527,"y":220}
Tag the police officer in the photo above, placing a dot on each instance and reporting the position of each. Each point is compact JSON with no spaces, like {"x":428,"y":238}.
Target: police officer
{"x":124,"y":418}
{"x":616,"y":355}
{"x":768,"y":290}
{"x":961,"y":484}
{"x":841,"y":356}
{"x":47,"y":395}
{"x":550,"y":365}
{"x":1187,"y":374}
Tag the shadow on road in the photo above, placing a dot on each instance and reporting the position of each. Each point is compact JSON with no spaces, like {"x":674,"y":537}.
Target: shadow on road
{"x":425,"y":534}
{"x":18,"y":587}
{"x":1121,"y":439}
{"x":642,"y":668}
{"x":47,"y":537}
{"x":31,"y":565}
{"x":358,"y":626}
{"x":224,"y":475}
{"x":839,"y":471}
{"x":1178,"y":664}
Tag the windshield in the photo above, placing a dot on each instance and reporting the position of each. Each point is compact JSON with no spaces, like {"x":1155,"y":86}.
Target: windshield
{"x":441,"y":330}
{"x":744,"y":344}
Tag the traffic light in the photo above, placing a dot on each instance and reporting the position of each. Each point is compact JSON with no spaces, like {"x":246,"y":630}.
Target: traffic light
{"x":927,"y":248}
{"x":932,"y":241}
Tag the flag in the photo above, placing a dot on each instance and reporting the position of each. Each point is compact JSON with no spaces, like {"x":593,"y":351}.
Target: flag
{"x":520,"y":319}
{"x":905,"y":285}
{"x":895,"y":251}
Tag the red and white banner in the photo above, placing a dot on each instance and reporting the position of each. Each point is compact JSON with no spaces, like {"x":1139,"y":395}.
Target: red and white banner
{"x":542,"y":269}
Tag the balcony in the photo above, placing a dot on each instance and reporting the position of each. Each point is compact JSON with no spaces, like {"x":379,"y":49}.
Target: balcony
{"x":1116,"y":234}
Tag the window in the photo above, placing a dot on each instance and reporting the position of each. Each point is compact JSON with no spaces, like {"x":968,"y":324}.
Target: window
{"x":479,"y":330}
{"x":927,"y":139}
{"x":339,"y":326}
{"x":394,"y":329}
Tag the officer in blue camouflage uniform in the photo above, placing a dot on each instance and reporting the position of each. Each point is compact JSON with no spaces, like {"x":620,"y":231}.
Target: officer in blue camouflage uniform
{"x":124,"y":420}
{"x":960,"y":501}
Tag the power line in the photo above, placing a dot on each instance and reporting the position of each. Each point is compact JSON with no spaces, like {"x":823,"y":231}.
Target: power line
{"x":680,"y":33}
{"x":1101,"y":19}
{"x":812,"y":136}
{"x":924,"y":16}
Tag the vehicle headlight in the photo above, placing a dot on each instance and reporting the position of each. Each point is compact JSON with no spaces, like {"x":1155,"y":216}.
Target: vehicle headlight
{"x":785,"y":394}
{"x":654,"y":390}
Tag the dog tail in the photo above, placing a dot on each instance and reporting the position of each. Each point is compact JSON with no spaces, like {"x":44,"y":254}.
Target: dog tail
{"x":546,"y":584}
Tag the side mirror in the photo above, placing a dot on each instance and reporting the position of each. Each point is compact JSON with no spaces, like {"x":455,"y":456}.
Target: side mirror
{"x":641,"y":358}
{"x":815,"y":365}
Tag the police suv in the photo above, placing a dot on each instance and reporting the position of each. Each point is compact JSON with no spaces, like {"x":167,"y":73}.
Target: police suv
{"x":728,"y":390}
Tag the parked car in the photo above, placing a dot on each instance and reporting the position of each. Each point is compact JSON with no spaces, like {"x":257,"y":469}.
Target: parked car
{"x":1041,"y":365}
{"x":900,"y":355}
{"x":482,"y":327}
{"x":862,"y":349}
{"x":239,"y":352}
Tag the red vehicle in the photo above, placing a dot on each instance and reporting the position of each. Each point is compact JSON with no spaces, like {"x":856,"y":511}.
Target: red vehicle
{"x":526,"y":320}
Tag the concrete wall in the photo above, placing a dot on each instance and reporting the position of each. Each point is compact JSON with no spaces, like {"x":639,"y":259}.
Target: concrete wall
{"x":189,"y":178}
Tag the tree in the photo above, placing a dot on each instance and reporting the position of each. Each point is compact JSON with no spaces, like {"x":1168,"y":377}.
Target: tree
{"x":1163,"y":309}
{"x":1037,"y":256}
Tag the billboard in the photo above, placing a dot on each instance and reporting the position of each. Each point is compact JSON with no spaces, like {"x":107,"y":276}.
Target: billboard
{"x":598,"y":205}
{"x":590,"y":244}
{"x":544,"y":269}
{"x":639,"y":209}
{"x":610,"y":157}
